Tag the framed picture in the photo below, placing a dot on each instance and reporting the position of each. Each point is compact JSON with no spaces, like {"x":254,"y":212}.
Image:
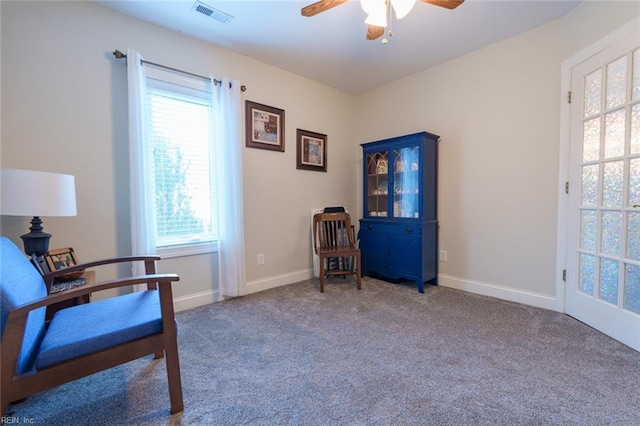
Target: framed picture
{"x":61,"y":258}
{"x":264,"y":126}
{"x":311,"y":151}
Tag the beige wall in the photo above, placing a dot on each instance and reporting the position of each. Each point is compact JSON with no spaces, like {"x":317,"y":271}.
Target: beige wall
{"x":497,"y":110}
{"x":64,"y":110}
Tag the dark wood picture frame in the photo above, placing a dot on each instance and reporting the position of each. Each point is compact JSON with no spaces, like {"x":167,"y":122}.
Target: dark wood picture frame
{"x":311,"y":151}
{"x":264,"y":126}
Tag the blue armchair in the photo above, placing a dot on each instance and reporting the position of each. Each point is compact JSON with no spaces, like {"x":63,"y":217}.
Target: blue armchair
{"x":83,"y":339}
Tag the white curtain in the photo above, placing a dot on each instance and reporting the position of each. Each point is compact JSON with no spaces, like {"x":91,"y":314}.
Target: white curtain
{"x":141,"y":192}
{"x":227,"y":134}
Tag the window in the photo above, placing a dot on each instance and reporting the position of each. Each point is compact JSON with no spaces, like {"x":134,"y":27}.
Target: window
{"x":179,"y":135}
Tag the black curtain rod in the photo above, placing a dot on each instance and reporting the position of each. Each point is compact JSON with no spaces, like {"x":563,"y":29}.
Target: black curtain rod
{"x":119,"y":55}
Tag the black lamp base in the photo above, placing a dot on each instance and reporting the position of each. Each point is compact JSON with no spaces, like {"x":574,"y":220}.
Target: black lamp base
{"x":37,"y":241}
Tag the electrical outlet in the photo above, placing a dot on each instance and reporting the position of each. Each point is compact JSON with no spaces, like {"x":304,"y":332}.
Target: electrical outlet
{"x":443,"y":255}
{"x":260,"y":259}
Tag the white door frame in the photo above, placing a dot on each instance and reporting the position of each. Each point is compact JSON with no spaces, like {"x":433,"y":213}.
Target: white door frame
{"x":565,"y":145}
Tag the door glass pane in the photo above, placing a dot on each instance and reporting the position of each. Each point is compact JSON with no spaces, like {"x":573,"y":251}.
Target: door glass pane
{"x":590,"y":185}
{"x":591,"y":140}
{"x":632,"y":288}
{"x":636,"y":75}
{"x":635,"y":130}
{"x":406,"y":182}
{"x":377,"y":187}
{"x":587,"y":273}
{"x":609,"y":280}
{"x":592,"y":93}
{"x":588,"y":229}
{"x":633,"y":236}
{"x":612,"y":184}
{"x":611,"y":232}
{"x":634,"y":182}
{"x":614,"y":134}
{"x":617,"y":83}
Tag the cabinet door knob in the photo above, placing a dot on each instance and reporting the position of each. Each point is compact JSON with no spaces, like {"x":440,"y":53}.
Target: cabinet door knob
{"x":370,"y":227}
{"x":408,"y":230}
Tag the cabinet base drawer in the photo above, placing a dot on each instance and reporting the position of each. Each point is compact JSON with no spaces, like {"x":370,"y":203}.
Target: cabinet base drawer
{"x":394,"y":250}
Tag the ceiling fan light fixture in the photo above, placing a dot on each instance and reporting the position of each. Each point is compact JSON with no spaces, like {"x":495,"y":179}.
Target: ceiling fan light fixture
{"x":377,"y":19}
{"x":371,"y":6}
{"x":402,"y":7}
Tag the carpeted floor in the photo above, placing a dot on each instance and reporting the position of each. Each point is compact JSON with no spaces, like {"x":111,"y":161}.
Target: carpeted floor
{"x":385,"y":355}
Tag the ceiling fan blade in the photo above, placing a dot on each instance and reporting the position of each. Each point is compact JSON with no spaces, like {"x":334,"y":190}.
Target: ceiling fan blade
{"x":374,"y":32}
{"x":320,"y":6}
{"x":448,"y":4}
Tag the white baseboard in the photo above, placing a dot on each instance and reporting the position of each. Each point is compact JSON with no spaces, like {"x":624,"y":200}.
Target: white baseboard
{"x":277,"y":281}
{"x":506,"y":293}
{"x":183,"y":303}
{"x":486,"y":289}
{"x":190,"y":301}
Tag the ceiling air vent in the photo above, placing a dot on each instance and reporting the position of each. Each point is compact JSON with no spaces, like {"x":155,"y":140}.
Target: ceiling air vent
{"x":211,"y":12}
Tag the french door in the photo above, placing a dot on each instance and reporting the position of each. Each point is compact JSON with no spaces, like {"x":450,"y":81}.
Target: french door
{"x":603,"y":247}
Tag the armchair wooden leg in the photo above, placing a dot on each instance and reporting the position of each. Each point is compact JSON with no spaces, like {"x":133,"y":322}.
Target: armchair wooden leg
{"x":322,"y":274}
{"x":173,"y":376}
{"x":358,"y":274}
{"x":3,"y":407}
{"x":158,"y":355}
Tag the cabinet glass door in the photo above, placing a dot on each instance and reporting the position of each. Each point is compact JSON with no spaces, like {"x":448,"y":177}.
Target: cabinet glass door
{"x":377,"y":184}
{"x":406,"y":182}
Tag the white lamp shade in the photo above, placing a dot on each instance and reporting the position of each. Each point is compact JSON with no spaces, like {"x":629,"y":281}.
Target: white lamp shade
{"x":376,"y":12}
{"x":377,"y":19}
{"x":402,"y":7}
{"x":35,"y":193}
{"x":370,"y":6}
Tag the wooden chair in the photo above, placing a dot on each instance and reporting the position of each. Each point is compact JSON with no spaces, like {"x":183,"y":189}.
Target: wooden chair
{"x":83,"y":339}
{"x":333,"y":238}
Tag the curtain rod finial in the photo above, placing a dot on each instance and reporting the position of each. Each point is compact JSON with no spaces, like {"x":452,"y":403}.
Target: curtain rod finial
{"x":118,"y":54}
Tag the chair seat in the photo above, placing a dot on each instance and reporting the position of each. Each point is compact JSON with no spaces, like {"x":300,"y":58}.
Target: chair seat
{"x":338,"y":251}
{"x":87,"y":328}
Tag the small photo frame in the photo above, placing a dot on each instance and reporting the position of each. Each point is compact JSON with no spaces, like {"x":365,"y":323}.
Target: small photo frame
{"x":62,"y":258}
{"x":264,"y":126}
{"x":311,"y":151}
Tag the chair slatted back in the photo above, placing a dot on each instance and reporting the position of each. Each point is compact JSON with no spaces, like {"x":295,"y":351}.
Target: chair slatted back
{"x":333,"y":231}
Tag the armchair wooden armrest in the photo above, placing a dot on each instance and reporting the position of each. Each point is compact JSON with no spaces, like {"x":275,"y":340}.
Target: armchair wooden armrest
{"x":149,"y":266}
{"x":161,"y":279}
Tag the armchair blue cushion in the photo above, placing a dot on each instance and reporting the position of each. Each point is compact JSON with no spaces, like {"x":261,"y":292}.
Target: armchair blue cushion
{"x":99,"y":325}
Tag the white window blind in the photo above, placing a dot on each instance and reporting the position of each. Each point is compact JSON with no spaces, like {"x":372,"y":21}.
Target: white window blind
{"x":179,"y":134}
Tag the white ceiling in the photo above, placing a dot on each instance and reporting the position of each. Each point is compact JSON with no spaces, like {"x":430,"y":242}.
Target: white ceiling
{"x":331,"y":47}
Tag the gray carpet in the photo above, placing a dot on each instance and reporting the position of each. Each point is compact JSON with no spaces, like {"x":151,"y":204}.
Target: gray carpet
{"x":385,"y":355}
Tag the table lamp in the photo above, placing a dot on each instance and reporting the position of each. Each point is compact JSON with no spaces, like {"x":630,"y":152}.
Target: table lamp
{"x":35,"y":193}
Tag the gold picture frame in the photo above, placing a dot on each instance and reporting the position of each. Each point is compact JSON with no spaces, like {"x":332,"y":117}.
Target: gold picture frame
{"x":63,"y":258}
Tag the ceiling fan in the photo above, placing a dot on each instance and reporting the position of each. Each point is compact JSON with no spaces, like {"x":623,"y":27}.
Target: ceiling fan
{"x":377,"y":11}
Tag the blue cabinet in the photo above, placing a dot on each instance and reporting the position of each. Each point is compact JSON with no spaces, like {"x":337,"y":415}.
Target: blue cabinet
{"x":399,"y":231}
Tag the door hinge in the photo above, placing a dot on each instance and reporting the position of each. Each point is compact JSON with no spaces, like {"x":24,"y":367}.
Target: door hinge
{"x":564,"y":275}
{"x":566,"y":187}
{"x":569,"y":97}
